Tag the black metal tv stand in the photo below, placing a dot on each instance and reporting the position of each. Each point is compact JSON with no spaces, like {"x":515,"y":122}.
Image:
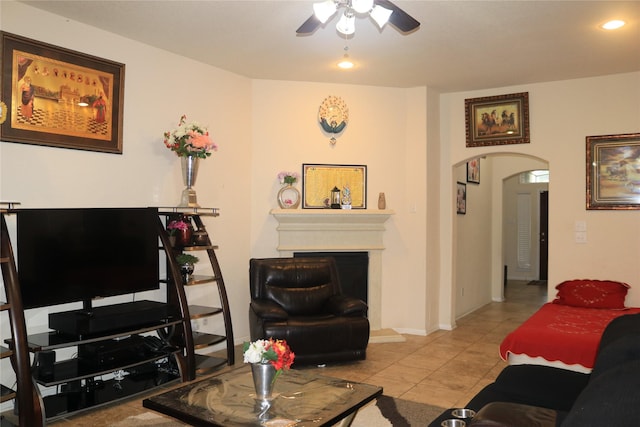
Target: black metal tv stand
{"x":76,"y":384}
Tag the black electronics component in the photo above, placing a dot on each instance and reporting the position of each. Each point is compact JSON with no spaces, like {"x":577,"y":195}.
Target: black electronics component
{"x":108,"y":318}
{"x":103,"y":354}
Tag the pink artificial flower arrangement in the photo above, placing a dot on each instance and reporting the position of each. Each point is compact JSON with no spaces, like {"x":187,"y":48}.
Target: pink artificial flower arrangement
{"x":190,"y":139}
{"x":176,"y":225}
{"x":287,"y":177}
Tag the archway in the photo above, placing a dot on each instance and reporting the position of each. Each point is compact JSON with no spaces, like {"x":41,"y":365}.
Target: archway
{"x":478,"y":240}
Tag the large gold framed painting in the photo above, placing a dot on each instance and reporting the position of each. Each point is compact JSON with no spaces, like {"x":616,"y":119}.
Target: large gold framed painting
{"x":318,"y":181}
{"x":59,"y":97}
{"x":613,"y":171}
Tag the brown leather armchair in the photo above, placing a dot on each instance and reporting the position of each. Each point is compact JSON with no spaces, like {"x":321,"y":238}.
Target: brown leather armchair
{"x":300,"y":300}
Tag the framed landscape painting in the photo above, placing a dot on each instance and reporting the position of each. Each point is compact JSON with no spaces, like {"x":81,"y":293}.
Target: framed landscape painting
{"x":613,"y":171}
{"x":59,"y":97}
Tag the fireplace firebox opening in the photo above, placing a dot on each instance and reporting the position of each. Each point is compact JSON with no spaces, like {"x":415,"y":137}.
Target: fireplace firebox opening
{"x":353,"y":270}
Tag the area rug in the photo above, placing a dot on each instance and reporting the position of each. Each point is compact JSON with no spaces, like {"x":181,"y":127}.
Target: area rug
{"x":389,"y":411}
{"x":385,"y":411}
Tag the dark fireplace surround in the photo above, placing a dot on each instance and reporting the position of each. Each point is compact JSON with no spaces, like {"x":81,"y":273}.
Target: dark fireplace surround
{"x":353,"y":270}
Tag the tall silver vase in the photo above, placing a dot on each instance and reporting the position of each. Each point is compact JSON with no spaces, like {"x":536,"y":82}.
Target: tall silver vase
{"x":263,"y":379}
{"x":189,"y":173}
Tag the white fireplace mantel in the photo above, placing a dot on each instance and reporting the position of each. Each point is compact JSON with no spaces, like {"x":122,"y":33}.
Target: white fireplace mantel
{"x":327,"y":230}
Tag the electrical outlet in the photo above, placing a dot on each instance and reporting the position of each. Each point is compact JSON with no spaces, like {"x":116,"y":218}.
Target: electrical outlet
{"x":205,"y":321}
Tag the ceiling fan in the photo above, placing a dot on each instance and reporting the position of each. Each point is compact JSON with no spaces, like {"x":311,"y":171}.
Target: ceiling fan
{"x":381,"y":11}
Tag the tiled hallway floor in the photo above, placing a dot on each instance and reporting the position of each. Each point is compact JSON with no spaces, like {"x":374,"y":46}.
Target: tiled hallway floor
{"x":445,"y":368}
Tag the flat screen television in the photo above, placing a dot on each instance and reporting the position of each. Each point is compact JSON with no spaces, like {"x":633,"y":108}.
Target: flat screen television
{"x":69,"y":255}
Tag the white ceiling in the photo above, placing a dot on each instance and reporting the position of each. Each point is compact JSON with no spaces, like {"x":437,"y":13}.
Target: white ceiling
{"x":460,"y":45}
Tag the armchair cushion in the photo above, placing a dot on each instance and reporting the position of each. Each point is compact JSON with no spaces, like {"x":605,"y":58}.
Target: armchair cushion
{"x":342,"y":305}
{"x":298,"y":301}
{"x":268,"y":310}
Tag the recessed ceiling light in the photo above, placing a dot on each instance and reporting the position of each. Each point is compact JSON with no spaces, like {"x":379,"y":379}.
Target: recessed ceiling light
{"x":613,"y":24}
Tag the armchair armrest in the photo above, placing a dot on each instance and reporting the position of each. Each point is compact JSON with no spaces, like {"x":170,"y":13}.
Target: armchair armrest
{"x":342,"y":305}
{"x":268,"y":310}
{"x":505,"y":414}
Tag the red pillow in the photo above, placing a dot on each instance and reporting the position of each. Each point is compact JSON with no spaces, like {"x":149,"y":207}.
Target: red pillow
{"x":592,"y":293}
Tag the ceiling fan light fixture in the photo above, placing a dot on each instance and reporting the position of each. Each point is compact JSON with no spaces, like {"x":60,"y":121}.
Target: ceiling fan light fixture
{"x":345,"y":63}
{"x":362,"y":6}
{"x":324,"y":10}
{"x":613,"y":25}
{"x":380,"y":15}
{"x":347,"y":24}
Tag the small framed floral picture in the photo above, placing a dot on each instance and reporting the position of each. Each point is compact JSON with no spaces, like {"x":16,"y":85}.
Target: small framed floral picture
{"x":473,"y":171}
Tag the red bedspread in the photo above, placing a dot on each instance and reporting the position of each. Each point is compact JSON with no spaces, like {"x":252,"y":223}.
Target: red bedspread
{"x":561,"y":333}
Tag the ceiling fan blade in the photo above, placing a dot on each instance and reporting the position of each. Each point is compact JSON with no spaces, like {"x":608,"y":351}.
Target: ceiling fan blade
{"x":309,"y":26}
{"x":399,"y":18}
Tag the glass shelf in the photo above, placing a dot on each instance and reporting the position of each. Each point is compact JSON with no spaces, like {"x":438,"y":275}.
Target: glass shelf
{"x":198,"y":311}
{"x":100,"y":393}
{"x":6,"y":393}
{"x":75,"y":369}
{"x":188,"y":211}
{"x":53,"y":340}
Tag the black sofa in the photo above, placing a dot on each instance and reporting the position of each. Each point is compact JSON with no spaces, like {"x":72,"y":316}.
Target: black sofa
{"x":542,"y":396}
{"x":300,"y":300}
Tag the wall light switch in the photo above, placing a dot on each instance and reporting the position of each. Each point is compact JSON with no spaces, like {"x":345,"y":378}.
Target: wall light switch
{"x":580,"y":226}
{"x":581,"y":236}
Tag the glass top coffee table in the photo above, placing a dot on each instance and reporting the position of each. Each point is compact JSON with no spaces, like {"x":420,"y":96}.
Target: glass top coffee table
{"x":300,"y":398}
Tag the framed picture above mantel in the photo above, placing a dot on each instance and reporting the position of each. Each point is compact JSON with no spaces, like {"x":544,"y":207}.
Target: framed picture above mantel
{"x":318,"y":181}
{"x":59,"y":97}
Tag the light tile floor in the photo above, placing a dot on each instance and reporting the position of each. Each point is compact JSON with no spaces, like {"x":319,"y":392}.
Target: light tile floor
{"x":445,"y":368}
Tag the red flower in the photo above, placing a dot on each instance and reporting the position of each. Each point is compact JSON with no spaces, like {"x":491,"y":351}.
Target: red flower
{"x":284,"y":354}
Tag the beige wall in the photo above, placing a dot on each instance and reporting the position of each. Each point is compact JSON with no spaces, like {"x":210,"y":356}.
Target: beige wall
{"x":562,"y":115}
{"x":159,"y":88}
{"x":412,"y":140}
{"x":472,"y":246}
{"x":386,"y":132}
